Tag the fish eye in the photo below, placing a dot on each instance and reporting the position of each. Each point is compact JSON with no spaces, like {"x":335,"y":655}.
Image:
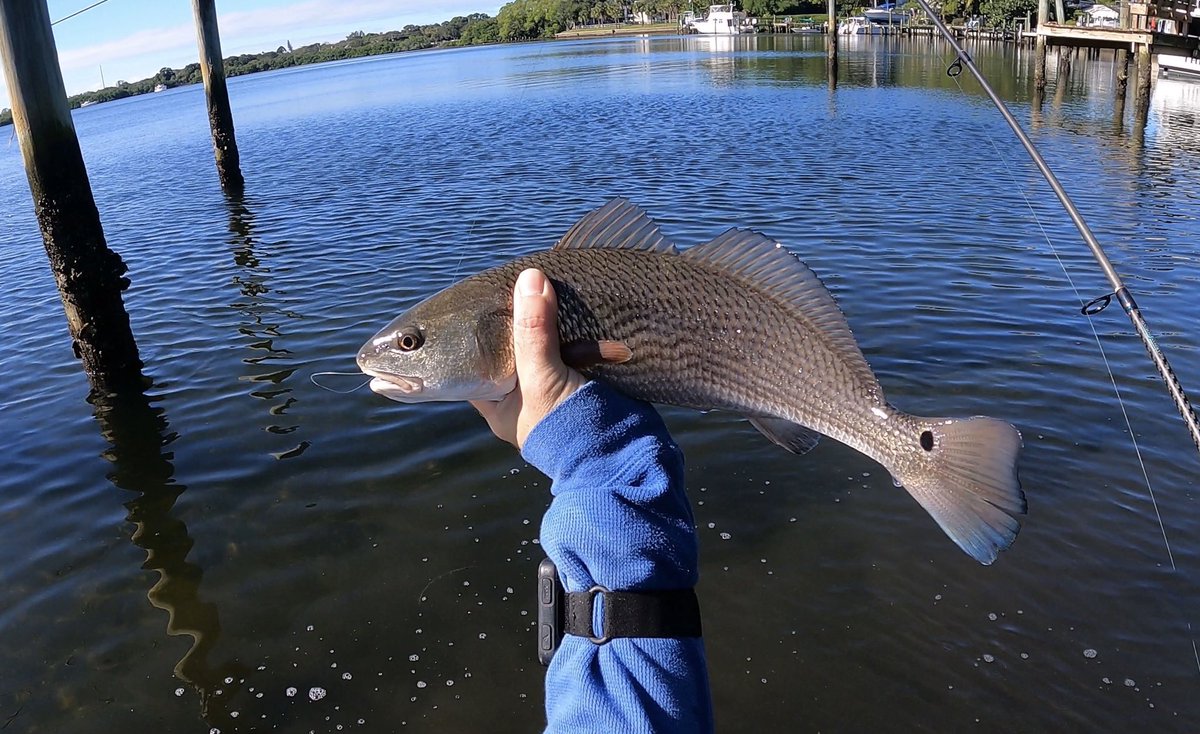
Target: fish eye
{"x":408,"y":341}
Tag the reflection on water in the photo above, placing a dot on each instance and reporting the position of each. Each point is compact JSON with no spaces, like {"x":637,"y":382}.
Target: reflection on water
{"x":139,"y":439}
{"x":264,"y":321}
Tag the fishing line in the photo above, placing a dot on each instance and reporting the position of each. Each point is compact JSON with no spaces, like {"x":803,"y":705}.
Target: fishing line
{"x":421,"y":597}
{"x":313,"y":378}
{"x":1124,"y":297}
{"x":1009,"y":169}
{"x":953,"y":71}
{"x":79,"y":12}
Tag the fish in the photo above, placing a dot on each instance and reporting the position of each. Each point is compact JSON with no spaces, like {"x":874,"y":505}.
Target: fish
{"x":736,"y":324}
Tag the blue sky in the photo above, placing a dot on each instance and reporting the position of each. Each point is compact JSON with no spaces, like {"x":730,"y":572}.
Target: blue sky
{"x":133,"y":39}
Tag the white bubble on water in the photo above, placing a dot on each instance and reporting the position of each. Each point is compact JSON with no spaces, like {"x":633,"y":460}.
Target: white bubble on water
{"x":291,"y":691}
{"x":989,"y":658}
{"x":1089,"y":653}
{"x":992,"y":616}
{"x":725,"y":536}
{"x":449,"y":682}
{"x":413,"y":658}
{"x":483,"y":635}
{"x":228,"y":681}
{"x":1129,"y":683}
{"x":316,"y":693}
{"x":178,"y":691}
{"x":310,"y":628}
{"x":233,"y":714}
{"x":346,"y":676}
{"x":421,"y":684}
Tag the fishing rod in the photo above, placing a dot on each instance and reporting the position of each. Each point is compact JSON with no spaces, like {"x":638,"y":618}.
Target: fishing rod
{"x":1120,"y":292}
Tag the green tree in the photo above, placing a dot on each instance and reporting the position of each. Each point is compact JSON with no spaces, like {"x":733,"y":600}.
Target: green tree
{"x":1002,"y":12}
{"x":761,"y":8}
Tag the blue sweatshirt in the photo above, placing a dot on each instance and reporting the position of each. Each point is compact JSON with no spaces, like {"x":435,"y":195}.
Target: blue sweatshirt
{"x":619,"y":518}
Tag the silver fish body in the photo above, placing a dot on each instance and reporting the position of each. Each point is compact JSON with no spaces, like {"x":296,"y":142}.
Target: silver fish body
{"x":737,"y":324}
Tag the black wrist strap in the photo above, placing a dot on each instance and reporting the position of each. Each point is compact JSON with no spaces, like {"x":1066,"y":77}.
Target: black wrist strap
{"x":660,"y":613}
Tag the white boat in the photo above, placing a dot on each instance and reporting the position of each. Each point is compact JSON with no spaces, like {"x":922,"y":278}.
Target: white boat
{"x":858,"y":25}
{"x":887,"y":15}
{"x":160,"y":87}
{"x":1179,"y":67}
{"x":720,"y":20}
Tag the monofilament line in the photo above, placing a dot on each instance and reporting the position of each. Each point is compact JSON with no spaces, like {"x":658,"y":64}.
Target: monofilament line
{"x":1099,"y":345}
{"x":1009,"y":170}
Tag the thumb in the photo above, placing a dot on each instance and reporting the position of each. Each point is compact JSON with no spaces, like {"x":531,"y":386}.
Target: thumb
{"x":542,"y":378}
{"x":535,"y":333}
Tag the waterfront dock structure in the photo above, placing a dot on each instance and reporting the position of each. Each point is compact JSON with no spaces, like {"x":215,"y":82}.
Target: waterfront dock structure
{"x":1145,"y":30}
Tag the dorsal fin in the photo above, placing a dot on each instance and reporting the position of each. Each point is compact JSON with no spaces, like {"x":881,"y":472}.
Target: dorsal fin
{"x":619,"y":224}
{"x":771,"y":269}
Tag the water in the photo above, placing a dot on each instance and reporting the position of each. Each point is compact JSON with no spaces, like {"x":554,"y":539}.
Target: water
{"x":247,"y":552}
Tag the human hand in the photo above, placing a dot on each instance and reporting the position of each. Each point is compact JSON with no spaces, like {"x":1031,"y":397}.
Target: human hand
{"x":543,"y":381}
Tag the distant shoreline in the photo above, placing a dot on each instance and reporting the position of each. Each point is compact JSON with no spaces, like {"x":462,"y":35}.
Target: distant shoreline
{"x":661,"y":29}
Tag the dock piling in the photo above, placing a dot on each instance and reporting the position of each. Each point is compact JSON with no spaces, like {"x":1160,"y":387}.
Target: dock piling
{"x":89,"y":276}
{"x":220,"y":116}
{"x":1039,"y":57}
{"x":831,"y":60}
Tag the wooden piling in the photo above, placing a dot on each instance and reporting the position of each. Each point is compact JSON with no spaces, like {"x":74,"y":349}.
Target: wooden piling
{"x":90,"y":277}
{"x":1122,"y":59}
{"x":831,"y":59}
{"x":220,"y":116}
{"x":1039,"y":57}
{"x":1141,"y":89}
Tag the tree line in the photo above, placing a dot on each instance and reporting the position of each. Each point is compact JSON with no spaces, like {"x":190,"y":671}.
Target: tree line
{"x":468,"y":30}
{"x":519,"y":20}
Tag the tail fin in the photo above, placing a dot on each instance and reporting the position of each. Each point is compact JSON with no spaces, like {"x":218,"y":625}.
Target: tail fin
{"x":966,"y":478}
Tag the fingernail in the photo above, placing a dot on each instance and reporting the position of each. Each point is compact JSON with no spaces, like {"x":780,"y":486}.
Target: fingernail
{"x":531,"y":283}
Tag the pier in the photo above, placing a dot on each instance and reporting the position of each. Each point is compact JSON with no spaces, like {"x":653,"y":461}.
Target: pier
{"x":1144,"y":30}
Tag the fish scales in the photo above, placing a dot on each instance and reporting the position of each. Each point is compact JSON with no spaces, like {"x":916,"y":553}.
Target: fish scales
{"x":736,"y":324}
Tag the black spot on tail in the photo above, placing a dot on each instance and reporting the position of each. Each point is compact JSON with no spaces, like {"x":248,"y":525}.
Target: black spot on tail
{"x":927,"y":440}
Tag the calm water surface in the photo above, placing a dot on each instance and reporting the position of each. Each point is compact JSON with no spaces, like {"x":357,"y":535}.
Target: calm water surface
{"x":243,"y":551}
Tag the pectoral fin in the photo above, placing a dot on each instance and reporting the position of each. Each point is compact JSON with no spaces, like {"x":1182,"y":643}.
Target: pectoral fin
{"x":791,"y":436}
{"x":582,"y":355}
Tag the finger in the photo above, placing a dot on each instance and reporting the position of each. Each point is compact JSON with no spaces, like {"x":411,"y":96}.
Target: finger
{"x":535,"y":331}
{"x":501,"y":416}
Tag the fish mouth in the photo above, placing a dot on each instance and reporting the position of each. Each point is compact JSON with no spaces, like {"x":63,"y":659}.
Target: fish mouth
{"x":386,"y":383}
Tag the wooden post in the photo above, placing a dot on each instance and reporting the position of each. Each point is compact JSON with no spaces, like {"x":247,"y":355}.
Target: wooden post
{"x":1060,"y":12}
{"x":1064,"y":65}
{"x":1122,"y":57}
{"x":831,"y":60}
{"x":90,"y":277}
{"x":220,"y":116}
{"x":1039,"y":57}
{"x":1141,"y":90}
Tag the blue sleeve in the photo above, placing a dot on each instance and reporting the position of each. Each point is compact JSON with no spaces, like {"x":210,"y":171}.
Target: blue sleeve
{"x":619,"y":518}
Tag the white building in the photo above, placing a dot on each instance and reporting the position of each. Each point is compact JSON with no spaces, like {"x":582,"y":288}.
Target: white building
{"x":1099,"y":16}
